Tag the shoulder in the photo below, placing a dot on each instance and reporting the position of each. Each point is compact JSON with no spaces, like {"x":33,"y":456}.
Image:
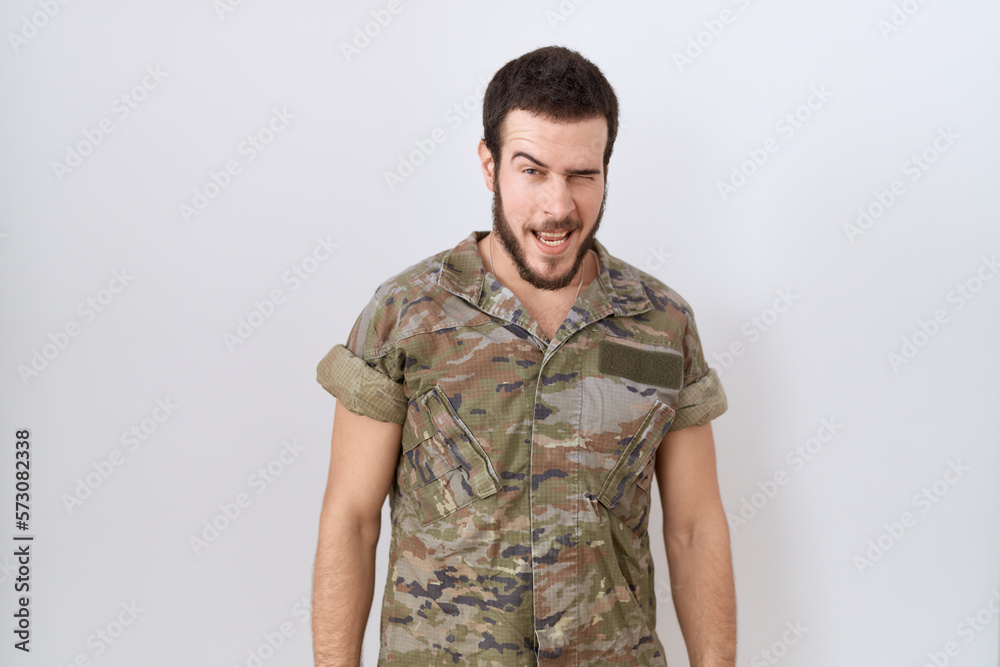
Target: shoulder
{"x":662,"y":296}
{"x":413,"y":301}
{"x":667,"y":320}
{"x":664,"y":299}
{"x":412,"y":282}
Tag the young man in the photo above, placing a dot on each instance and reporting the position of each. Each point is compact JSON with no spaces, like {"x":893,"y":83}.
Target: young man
{"x":513,"y":396}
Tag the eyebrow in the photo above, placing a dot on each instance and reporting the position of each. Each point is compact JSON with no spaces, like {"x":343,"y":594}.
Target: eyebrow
{"x":578,"y":172}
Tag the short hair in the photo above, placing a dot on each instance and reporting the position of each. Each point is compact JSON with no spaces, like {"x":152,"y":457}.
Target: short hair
{"x":554,"y":82}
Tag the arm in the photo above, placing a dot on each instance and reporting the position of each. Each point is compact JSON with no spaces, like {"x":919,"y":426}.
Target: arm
{"x":696,"y":536}
{"x":363,"y":456}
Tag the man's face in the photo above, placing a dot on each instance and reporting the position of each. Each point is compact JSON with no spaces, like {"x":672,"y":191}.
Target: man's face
{"x":553,"y":182}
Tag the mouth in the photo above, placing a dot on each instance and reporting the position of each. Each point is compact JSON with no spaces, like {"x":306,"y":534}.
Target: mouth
{"x":553,"y":239}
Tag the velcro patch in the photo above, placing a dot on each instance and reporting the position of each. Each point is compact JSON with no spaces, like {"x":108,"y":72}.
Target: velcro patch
{"x":663,"y":369}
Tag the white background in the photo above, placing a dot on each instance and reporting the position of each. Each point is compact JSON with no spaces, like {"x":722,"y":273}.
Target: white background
{"x":888,"y":91}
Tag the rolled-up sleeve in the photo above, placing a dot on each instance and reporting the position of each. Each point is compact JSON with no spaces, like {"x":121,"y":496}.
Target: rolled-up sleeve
{"x":701,"y":398}
{"x":362,"y":389}
{"x":360,"y":375}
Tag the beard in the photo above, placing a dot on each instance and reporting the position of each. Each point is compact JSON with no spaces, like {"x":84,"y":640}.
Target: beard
{"x":509,"y":241}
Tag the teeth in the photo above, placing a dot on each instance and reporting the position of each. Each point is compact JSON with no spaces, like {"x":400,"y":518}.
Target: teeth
{"x":552,"y":243}
{"x":552,"y":239}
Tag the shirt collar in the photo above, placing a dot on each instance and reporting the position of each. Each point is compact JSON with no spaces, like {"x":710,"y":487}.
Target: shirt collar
{"x":464,"y":274}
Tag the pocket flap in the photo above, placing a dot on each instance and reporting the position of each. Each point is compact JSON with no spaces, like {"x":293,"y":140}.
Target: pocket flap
{"x":437,"y":441}
{"x":635,"y":467}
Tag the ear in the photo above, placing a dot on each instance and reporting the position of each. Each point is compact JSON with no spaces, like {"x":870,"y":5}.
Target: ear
{"x":487,"y":163}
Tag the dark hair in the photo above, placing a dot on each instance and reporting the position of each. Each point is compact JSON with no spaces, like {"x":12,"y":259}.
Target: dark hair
{"x":553,"y":82}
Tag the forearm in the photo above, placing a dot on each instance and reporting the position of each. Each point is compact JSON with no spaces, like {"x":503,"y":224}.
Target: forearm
{"x":343,"y":584}
{"x":701,"y":578}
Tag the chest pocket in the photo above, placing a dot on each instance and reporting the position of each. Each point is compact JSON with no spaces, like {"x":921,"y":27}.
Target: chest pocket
{"x":443,"y":467}
{"x":626,"y":490}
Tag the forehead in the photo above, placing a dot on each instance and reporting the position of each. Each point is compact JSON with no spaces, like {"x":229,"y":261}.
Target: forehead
{"x":556,"y":143}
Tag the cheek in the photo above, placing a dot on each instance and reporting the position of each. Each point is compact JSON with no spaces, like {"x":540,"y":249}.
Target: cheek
{"x":589,"y":205}
{"x":517,"y":206}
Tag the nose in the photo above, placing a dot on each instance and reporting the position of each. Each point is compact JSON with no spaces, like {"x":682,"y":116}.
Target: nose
{"x":558,"y":200}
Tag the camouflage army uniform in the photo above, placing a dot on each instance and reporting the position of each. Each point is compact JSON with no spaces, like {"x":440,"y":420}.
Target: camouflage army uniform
{"x":522,"y":494}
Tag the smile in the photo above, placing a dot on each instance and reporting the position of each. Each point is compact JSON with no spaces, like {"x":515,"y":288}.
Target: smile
{"x":553,"y":239}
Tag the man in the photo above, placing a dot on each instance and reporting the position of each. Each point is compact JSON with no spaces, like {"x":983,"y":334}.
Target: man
{"x":513,"y":396}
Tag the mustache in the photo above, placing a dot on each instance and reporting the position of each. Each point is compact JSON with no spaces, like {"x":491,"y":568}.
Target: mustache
{"x":555,"y":230}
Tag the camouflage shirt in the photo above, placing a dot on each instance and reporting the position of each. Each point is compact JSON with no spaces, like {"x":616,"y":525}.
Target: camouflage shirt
{"x":521,"y":498}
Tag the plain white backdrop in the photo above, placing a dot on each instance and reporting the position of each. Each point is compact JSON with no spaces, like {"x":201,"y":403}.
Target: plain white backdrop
{"x":817,"y":179}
